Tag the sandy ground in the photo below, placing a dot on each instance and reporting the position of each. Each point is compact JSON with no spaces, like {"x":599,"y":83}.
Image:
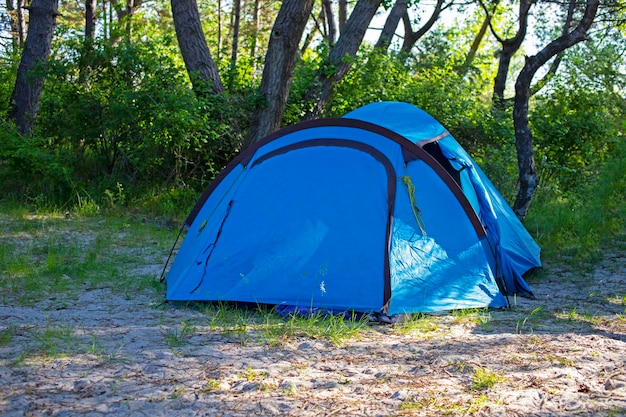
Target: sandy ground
{"x":107,"y":353}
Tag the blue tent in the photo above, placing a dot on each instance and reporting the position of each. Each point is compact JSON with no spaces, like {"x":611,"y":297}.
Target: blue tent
{"x":378,"y":211}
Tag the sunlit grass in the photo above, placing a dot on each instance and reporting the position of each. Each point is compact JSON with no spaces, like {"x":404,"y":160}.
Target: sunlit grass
{"x":44,"y":255}
{"x":579,"y":226}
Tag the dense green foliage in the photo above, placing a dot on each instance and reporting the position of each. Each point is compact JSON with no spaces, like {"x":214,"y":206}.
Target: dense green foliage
{"x":129,"y":119}
{"x":119,"y":124}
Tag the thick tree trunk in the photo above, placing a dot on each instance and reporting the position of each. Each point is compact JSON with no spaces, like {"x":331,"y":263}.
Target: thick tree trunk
{"x":193,"y":47}
{"x":391,"y":24}
{"x":90,"y":19}
{"x":280,"y":61}
{"x":87,"y":52}
{"x":523,"y":135}
{"x":346,"y":47}
{"x":30,"y":79}
{"x":343,"y":14}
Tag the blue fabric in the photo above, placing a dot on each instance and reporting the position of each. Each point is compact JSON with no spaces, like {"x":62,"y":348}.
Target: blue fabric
{"x":444,"y":266}
{"x":333,"y":218}
{"x":426,"y":278}
{"x":514,"y":250}
{"x":285,"y":242}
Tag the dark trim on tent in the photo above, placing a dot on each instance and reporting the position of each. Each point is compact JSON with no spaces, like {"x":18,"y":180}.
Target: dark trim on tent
{"x":435,"y":151}
{"x":411,"y":151}
{"x":391,"y":186}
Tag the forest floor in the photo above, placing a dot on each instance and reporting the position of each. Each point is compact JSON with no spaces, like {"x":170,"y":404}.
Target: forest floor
{"x":107,"y":352}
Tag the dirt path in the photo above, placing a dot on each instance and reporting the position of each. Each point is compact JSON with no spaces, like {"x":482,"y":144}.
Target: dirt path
{"x":105,"y":353}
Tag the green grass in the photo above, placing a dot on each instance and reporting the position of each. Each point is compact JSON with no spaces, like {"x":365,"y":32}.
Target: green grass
{"x":579,"y":226}
{"x":485,"y":378}
{"x":265,"y":324}
{"x":179,"y":337}
{"x":108,"y":244}
{"x":6,"y":335}
{"x":44,"y":254}
{"x":419,"y":325}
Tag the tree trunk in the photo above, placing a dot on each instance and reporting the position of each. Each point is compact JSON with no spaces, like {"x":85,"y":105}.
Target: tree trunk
{"x":554,"y":66}
{"x":343,"y":14}
{"x":391,"y":24}
{"x":346,"y":47}
{"x":280,"y":61}
{"x":523,"y":135}
{"x":194,"y":49}
{"x":471,"y":55}
{"x":90,"y":19}
{"x":509,"y":48}
{"x":235,"y":39}
{"x":219,"y":31}
{"x":256,"y":25}
{"x":17,"y":23}
{"x":30,"y":78}
{"x":124,"y":12}
{"x":330,"y":22}
{"x":410,"y":37}
{"x":87,"y":52}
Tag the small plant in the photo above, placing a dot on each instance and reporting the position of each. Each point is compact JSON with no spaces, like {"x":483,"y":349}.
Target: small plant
{"x":85,"y":206}
{"x":117,"y":196}
{"x":616,"y":411}
{"x":527,"y":324}
{"x":177,"y":393}
{"x":485,"y":378}
{"x":212,"y":385}
{"x":178,"y":338}
{"x":415,"y":404}
{"x":249,"y":374}
{"x":54,"y":341}
{"x":417,"y":324}
{"x":565,"y":362}
{"x":479,"y":316}
{"x":458,"y":365}
{"x":6,"y":335}
{"x":477,"y":404}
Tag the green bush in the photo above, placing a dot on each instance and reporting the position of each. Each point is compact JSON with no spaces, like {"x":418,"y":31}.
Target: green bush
{"x":130,"y":119}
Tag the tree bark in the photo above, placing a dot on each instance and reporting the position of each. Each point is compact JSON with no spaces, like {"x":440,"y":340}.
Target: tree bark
{"x":194,"y":49}
{"x":346,"y":47}
{"x":256,"y":26}
{"x":509,"y":48}
{"x":87,"y":52}
{"x":90,"y":19}
{"x":471,"y":55}
{"x":391,"y":24}
{"x":330,"y":22}
{"x":235,"y":39}
{"x":30,"y":78}
{"x":17,"y":23}
{"x":410,"y":37}
{"x":343,"y":14}
{"x":280,"y":61}
{"x":528,"y":180}
{"x":554,"y":66}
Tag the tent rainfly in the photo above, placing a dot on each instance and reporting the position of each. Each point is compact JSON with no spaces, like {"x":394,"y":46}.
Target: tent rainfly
{"x":380,"y":211}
